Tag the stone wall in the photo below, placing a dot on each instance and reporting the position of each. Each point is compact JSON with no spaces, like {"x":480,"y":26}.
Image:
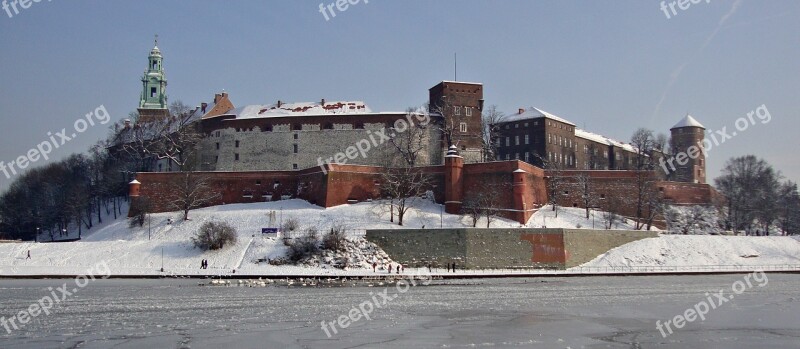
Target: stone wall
{"x":585,"y":245}
{"x":243,"y":145}
{"x":500,"y":248}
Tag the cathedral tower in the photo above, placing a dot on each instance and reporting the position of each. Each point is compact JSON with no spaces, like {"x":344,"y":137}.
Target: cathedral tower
{"x":153,"y":100}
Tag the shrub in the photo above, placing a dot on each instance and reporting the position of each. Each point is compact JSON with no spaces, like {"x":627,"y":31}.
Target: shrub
{"x":304,"y":246}
{"x":214,"y":236}
{"x":335,"y":240}
{"x":289,"y":225}
{"x":139,"y":210}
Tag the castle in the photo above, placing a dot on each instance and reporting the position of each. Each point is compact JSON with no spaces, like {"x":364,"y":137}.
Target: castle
{"x":283,"y":150}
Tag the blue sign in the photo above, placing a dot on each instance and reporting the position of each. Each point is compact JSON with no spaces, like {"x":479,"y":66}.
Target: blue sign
{"x":269,"y":230}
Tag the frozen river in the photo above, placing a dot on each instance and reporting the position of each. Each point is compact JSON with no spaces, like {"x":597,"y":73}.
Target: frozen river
{"x":594,"y":312}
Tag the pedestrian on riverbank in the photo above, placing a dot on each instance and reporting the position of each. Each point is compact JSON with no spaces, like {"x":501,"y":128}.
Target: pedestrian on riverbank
{"x":29,"y":254}
{"x":374,"y":266}
{"x":448,"y":267}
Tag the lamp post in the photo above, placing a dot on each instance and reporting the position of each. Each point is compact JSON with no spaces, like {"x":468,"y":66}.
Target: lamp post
{"x":36,"y":237}
{"x":149,"y":223}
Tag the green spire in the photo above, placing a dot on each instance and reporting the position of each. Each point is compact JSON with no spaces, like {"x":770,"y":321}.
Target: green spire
{"x":154,"y":82}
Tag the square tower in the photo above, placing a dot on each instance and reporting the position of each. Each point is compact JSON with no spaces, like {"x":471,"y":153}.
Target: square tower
{"x":458,"y":106}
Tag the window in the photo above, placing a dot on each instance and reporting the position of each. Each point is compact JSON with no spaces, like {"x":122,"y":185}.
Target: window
{"x":527,"y":156}
{"x":526,"y":124}
{"x":463,"y":127}
{"x":258,"y":182}
{"x":217,"y":133}
{"x":605,"y":153}
{"x":216,"y":158}
{"x":508,"y":156}
{"x":217,"y":146}
{"x":296,"y":136}
{"x":535,"y":123}
{"x":153,"y":92}
{"x":585,"y":149}
{"x":469,"y":111}
{"x":294,"y":166}
{"x":295,"y":148}
{"x":516,"y":156}
{"x":516,"y":125}
{"x":236,"y":156}
{"x":457,"y":110}
{"x":155,"y":65}
{"x":508,"y":141}
{"x":237,"y":144}
{"x":527,"y":139}
{"x":499,"y":142}
{"x":516,"y":140}
{"x":549,"y":138}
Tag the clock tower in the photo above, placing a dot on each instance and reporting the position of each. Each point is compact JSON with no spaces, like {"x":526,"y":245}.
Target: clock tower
{"x":153,"y":99}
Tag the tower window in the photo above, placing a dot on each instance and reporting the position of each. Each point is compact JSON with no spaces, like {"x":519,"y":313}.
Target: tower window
{"x":153,"y":92}
{"x":295,"y":148}
{"x":463,"y":127}
{"x":155,"y":65}
{"x":237,"y":144}
{"x":217,"y":146}
{"x":469,"y":111}
{"x":236,"y":156}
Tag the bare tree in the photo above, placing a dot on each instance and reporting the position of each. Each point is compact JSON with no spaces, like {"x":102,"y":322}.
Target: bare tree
{"x":403,"y":186}
{"x":191,"y":190}
{"x":174,"y":139}
{"x":647,"y":197}
{"x":751,"y":187}
{"x":555,"y":180}
{"x":484,"y":202}
{"x":491,"y":132}
{"x":585,"y":186}
{"x":410,"y":135}
{"x":789,"y":201}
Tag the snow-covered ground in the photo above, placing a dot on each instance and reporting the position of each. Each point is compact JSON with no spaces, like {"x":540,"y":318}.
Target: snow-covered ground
{"x":704,"y":250}
{"x":129,"y":251}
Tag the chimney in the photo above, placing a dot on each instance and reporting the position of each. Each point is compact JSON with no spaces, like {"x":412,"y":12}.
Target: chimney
{"x":521,"y":111}
{"x":279,"y":103}
{"x":203,"y":107}
{"x":217,"y":97}
{"x":323,"y":102}
{"x":127,"y":123}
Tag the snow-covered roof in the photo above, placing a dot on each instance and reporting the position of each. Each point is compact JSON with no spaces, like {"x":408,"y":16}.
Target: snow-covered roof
{"x":299,"y":109}
{"x":604,"y":140}
{"x":688,"y":121}
{"x":534,"y":113}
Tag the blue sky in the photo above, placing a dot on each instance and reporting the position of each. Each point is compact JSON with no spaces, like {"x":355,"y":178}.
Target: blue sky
{"x":608,"y":66}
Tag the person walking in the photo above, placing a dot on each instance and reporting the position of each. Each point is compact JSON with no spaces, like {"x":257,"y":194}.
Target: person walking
{"x":448,"y":267}
{"x":454,"y":267}
{"x":29,"y":254}
{"x":374,"y":266}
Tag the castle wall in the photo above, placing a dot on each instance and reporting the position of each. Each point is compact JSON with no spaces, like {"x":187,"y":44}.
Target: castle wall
{"x":501,"y":248}
{"x":285,"y":145}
